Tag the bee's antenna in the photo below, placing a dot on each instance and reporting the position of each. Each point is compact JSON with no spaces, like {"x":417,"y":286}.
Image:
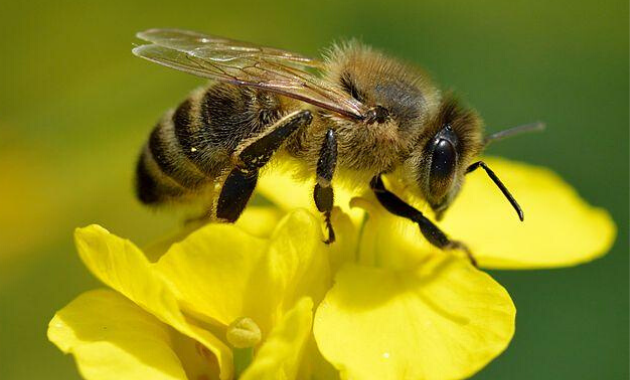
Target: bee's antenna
{"x":500,"y":185}
{"x":533,"y":127}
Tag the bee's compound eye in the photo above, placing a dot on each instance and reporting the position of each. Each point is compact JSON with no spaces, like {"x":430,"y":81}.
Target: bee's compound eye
{"x":444,"y":159}
{"x":443,"y":162}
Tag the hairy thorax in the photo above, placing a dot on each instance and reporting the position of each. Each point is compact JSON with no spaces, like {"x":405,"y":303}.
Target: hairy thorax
{"x":364,"y":150}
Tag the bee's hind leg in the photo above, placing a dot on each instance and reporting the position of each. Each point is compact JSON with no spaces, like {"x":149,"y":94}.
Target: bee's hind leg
{"x":431,"y":232}
{"x":323,"y":192}
{"x":252,"y":155}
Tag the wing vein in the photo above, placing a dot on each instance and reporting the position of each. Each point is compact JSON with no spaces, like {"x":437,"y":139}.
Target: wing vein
{"x":246,"y":64}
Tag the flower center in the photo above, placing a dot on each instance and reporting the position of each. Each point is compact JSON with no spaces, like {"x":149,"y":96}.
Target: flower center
{"x":243,"y":332}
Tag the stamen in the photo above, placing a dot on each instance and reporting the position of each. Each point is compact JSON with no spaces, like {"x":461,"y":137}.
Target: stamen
{"x":243,"y":332}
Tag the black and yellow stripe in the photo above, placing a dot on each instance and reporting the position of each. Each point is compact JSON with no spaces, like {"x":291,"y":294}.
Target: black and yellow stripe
{"x":191,"y":146}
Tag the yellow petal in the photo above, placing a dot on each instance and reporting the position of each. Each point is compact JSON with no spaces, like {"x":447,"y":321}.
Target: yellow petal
{"x":122,"y":266}
{"x":220,"y":273}
{"x":348,"y":235}
{"x":560,"y":228}
{"x":445,"y":320}
{"x":388,"y":240}
{"x":279,"y":184}
{"x":210,"y":271}
{"x":259,"y":221}
{"x":111,"y":338}
{"x":256,"y":220}
{"x":314,"y":366}
{"x":281,"y":354}
{"x":296,"y":264}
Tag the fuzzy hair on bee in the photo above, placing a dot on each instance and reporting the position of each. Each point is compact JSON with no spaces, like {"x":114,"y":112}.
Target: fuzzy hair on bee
{"x":356,"y":114}
{"x":191,"y":146}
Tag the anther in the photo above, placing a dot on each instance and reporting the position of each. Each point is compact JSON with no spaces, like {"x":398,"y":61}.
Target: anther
{"x":243,"y":332}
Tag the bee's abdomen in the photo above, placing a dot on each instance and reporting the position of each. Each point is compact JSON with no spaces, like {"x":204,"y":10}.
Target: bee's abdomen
{"x":163,"y":171}
{"x":191,"y":146}
{"x":153,"y":186}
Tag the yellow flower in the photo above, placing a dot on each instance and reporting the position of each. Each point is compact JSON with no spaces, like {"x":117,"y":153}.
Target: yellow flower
{"x":266,"y":299}
{"x":218,"y":288}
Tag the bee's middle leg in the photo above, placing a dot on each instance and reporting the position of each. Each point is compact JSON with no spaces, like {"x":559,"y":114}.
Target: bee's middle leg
{"x":323,"y":192}
{"x":431,"y":232}
{"x":252,"y":155}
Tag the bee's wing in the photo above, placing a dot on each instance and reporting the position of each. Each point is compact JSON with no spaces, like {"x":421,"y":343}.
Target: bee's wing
{"x":246,"y":64}
{"x":218,"y":48}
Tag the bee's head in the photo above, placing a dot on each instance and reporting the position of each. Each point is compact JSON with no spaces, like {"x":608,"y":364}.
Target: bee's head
{"x":443,"y":152}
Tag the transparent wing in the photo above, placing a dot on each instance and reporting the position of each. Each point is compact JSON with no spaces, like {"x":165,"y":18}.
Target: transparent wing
{"x":246,"y":64}
{"x":218,"y":48}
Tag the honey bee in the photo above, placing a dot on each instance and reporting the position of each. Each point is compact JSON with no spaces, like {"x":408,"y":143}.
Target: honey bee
{"x":357,"y":112}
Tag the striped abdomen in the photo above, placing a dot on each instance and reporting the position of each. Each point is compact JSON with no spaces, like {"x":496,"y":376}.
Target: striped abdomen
{"x":191,"y":146}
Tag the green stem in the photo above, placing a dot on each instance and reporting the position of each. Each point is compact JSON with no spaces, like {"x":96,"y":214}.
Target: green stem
{"x":242,"y":359}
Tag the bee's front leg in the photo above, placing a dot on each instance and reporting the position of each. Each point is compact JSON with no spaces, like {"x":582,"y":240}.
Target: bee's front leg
{"x":323,"y":192}
{"x":252,"y":155}
{"x":431,"y":232}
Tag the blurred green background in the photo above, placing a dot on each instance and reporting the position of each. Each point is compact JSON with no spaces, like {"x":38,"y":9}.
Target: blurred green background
{"x":76,"y":106}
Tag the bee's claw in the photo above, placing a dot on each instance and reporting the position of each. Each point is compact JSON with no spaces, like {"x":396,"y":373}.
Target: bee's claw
{"x":462,"y":247}
{"x":331,"y":236}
